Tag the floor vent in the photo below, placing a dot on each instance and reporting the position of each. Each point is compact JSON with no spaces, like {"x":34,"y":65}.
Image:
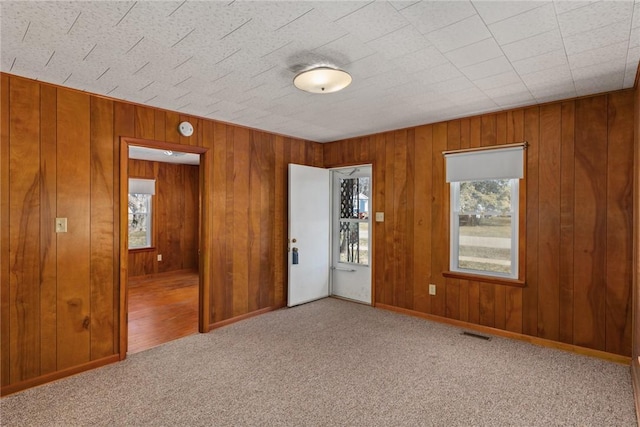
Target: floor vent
{"x":471,"y":334}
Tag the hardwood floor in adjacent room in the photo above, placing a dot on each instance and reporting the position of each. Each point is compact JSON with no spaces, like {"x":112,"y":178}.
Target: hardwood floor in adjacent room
{"x":162,"y":308}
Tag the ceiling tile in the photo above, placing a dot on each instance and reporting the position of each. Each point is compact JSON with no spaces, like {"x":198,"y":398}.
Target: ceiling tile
{"x":459,"y":34}
{"x":602,"y":83}
{"x":494,"y":11}
{"x":474,"y":53}
{"x":541,"y":62}
{"x":373,"y":21}
{"x":550,"y":77}
{"x":499,"y":80}
{"x":525,"y":25}
{"x":404,"y":41}
{"x":425,"y":58}
{"x":615,"y":53}
{"x":563,"y":6}
{"x":487,"y":68}
{"x":428,"y":16}
{"x":593,"y":39}
{"x":593,"y":16}
{"x":534,"y":46}
{"x":437,"y":74}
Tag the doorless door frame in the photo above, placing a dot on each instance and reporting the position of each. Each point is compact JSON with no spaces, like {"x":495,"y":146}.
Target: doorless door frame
{"x":204,"y":227}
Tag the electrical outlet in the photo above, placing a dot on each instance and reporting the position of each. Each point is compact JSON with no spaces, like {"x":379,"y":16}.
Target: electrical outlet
{"x":432,"y":289}
{"x":61,"y":225}
{"x":159,"y":257}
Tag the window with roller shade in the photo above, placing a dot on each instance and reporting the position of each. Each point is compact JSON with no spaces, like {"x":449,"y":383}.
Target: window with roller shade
{"x":484,"y":189}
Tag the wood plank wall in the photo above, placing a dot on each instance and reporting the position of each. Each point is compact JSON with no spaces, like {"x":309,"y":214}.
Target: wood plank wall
{"x":578,"y":207}
{"x":60,"y":158}
{"x":175,"y":213}
{"x":636,"y":241}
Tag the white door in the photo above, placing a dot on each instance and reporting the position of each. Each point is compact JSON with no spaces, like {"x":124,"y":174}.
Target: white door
{"x":351,"y":238}
{"x":309,"y":228}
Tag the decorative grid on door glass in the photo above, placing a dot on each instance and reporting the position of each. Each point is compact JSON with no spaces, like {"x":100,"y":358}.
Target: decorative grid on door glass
{"x":354,"y":220}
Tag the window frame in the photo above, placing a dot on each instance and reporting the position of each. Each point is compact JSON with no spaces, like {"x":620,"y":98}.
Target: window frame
{"x":454,"y":244}
{"x":149,"y":219}
{"x":520,"y":250}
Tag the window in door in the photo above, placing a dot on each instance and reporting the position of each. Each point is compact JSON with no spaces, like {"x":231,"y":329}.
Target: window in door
{"x":353,"y":235}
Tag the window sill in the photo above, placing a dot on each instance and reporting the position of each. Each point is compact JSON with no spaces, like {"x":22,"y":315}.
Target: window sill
{"x":486,"y":279}
{"x":149,"y":249}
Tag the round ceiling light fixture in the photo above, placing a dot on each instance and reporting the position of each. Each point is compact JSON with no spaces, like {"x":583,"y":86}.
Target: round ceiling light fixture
{"x":322,"y":80}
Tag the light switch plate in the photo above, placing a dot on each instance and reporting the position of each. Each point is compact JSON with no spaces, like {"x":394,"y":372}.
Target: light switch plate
{"x":432,"y":289}
{"x":379,"y":216}
{"x":61,"y":225}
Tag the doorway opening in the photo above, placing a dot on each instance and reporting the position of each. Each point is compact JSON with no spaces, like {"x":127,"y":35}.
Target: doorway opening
{"x":351,"y":233}
{"x":330,"y":234}
{"x":163,"y":285}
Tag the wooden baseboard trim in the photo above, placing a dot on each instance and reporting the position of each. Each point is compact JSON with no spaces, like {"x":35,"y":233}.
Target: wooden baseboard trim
{"x":227,"y":322}
{"x":53,"y":376}
{"x":616,"y":358}
{"x":635,"y":380}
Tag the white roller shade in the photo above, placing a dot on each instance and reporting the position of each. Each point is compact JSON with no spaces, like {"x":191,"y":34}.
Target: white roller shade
{"x":484,"y":165}
{"x":142,"y":186}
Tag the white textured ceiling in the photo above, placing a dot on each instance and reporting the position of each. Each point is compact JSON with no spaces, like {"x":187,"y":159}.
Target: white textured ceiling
{"x":412,"y":62}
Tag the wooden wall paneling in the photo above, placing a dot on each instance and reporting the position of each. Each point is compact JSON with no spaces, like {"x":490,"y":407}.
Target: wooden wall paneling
{"x":635,"y":339}
{"x":567,"y":193}
{"x":73,"y":247}
{"x":421,"y":218}
{"x":24,"y":234}
{"x":102,"y":228}
{"x":241,"y":257}
{"x":463,"y":294}
{"x":268,"y":219}
{"x":159,"y":128}
{"x":379,"y":235}
{"x":5,"y":304}
{"x":171,"y":209}
{"x":190,"y":237}
{"x":171,"y":122}
{"x":48,"y":272}
{"x":500,"y":291}
{"x":390,"y":262}
{"x":204,"y":240}
{"x":145,"y":126}
{"x":475,"y":140}
{"x":401,"y":226}
{"x":452,"y":286}
{"x":253,"y":220}
{"x":487,"y":309}
{"x":530,"y":293}
{"x":619,"y":226}
{"x":514,"y":295}
{"x":439,"y":220}
{"x":590,"y":222}
{"x":549,"y":206}
{"x":123,"y":125}
{"x":218,"y":220}
{"x":410,"y":213}
{"x":279,"y":221}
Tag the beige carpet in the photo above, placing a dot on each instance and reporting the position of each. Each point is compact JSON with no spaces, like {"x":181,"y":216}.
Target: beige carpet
{"x":335,"y":363}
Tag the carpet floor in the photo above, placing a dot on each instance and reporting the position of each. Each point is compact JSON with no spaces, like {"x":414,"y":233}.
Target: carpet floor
{"x":335,"y":363}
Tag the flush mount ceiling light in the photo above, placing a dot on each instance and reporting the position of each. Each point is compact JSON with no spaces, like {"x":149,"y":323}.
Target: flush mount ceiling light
{"x":322,"y":80}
